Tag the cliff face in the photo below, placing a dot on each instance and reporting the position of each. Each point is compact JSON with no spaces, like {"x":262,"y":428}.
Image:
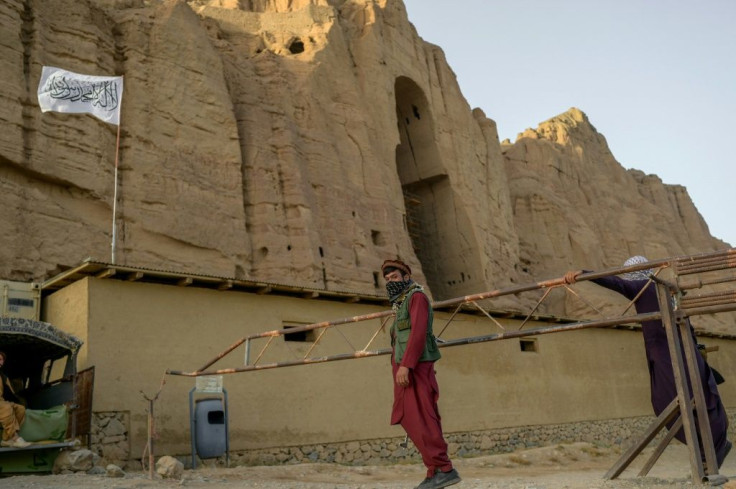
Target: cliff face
{"x":270,"y":141}
{"x":300,"y":142}
{"x":574,"y":205}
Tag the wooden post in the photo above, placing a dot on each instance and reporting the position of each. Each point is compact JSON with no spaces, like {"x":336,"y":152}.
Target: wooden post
{"x":683,"y":392}
{"x":150,"y":439}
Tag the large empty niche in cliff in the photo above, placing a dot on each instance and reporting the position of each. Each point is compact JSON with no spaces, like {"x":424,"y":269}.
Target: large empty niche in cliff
{"x":427,"y":195}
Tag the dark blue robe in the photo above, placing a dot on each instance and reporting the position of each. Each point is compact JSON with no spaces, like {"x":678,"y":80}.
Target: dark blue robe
{"x":661,"y":375}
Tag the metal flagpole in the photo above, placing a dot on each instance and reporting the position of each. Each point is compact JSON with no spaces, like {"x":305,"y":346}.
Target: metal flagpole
{"x":115,"y":199}
{"x":104,"y":102}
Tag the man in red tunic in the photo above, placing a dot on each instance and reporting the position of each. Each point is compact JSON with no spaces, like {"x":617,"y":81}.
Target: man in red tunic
{"x":415,"y":385}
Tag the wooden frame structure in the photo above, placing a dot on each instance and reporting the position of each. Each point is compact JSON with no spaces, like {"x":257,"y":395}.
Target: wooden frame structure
{"x":688,"y":408}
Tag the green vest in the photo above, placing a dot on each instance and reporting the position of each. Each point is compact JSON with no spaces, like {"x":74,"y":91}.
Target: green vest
{"x":402,"y":327}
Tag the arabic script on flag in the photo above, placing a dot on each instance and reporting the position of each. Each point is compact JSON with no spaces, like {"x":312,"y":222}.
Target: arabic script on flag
{"x":64,"y":91}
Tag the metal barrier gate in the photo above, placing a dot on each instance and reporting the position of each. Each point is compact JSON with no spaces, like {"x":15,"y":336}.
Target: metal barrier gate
{"x":710,"y":272}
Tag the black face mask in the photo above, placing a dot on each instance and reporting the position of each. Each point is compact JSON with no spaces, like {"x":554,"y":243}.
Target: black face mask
{"x":394,"y":289}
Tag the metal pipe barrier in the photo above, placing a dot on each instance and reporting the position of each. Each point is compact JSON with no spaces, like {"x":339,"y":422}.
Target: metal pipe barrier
{"x":702,"y":264}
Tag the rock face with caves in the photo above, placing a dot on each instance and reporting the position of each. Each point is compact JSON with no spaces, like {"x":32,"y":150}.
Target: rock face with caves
{"x":301,"y":142}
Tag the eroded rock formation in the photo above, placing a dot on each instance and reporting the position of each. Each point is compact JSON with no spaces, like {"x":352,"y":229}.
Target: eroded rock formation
{"x":574,"y":204}
{"x":301,"y":142}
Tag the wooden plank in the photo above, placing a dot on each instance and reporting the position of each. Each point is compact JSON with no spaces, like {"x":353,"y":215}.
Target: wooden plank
{"x":107,"y":273}
{"x":135,"y":276}
{"x":661,"y":447}
{"x":706,"y":436}
{"x":81,"y":415}
{"x":629,"y":455}
{"x":683,"y":392}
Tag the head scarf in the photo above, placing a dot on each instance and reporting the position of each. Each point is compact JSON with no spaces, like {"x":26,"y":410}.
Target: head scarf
{"x":395,"y":290}
{"x":639,"y":274}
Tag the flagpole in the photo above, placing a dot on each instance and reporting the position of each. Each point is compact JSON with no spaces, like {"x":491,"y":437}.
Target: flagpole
{"x":59,"y":90}
{"x":115,"y":198}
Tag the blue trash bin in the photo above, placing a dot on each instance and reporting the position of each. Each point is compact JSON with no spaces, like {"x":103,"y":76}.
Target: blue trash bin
{"x":210,"y":428}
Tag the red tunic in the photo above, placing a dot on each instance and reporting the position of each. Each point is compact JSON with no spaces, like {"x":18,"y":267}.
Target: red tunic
{"x":415,"y":406}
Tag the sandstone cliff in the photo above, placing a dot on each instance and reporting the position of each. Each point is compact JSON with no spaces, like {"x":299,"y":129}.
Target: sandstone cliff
{"x":269,"y":141}
{"x":575,"y":205}
{"x":301,"y":142}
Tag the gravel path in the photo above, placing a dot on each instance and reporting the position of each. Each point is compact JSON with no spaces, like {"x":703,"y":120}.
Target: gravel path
{"x":573,"y":466}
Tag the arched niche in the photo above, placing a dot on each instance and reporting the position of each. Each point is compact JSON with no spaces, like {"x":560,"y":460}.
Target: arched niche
{"x":426,"y":188}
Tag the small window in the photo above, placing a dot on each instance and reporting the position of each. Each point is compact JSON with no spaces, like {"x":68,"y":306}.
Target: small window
{"x":299,"y":336}
{"x":16,"y":301}
{"x":528,"y":345}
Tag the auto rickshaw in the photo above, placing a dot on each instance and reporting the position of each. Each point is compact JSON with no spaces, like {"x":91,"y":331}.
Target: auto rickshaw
{"x":41,"y":367}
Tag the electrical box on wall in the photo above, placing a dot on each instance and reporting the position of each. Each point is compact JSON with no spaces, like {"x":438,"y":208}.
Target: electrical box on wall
{"x":20,"y":300}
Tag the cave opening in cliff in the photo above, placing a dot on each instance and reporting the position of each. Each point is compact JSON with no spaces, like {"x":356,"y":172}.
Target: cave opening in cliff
{"x":424,"y":182}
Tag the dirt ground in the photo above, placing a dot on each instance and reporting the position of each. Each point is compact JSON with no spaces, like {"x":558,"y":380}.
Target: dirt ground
{"x":570,"y":466}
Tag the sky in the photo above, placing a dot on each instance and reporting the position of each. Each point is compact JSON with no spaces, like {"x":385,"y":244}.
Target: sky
{"x":657,"y":78}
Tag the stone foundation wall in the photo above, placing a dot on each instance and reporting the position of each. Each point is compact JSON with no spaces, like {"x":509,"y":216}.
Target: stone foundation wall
{"x":109,"y":437}
{"x":469,"y":444}
{"x":621,"y":432}
{"x":110,"y":442}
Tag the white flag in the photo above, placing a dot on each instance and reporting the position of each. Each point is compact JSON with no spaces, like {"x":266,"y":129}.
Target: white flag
{"x":63,"y":91}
